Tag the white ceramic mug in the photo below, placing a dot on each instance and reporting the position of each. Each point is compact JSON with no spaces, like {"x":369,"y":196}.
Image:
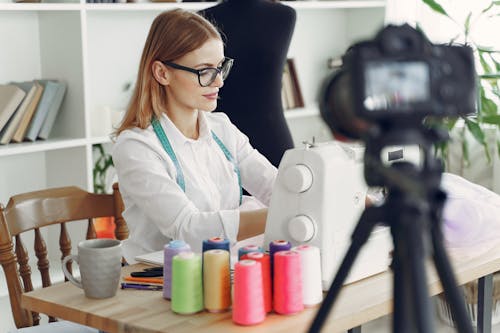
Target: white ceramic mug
{"x":100,"y":267}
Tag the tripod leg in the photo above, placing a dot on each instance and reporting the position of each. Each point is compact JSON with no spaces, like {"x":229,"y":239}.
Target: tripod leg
{"x":484,"y":304}
{"x":400,"y":318}
{"x":421,"y":302}
{"x":366,"y":223}
{"x":412,"y":310}
{"x":452,"y":294}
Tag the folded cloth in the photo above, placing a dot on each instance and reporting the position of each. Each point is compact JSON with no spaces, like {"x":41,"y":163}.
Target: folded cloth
{"x":471,"y":217}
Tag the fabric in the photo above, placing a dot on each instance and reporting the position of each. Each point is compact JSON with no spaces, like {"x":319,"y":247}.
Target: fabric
{"x":156,"y":208}
{"x":57,"y":327}
{"x":471,"y":217}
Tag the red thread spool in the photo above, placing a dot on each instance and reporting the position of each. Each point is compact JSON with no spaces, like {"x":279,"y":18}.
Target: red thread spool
{"x":287,"y":282}
{"x":265,"y":263}
{"x":248,"y":302}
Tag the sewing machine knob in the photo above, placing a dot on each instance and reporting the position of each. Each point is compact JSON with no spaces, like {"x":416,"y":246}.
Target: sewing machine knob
{"x":298,"y":178}
{"x":301,"y":228}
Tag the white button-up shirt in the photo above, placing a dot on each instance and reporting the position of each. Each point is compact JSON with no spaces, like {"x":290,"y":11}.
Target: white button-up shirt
{"x":158,"y":210}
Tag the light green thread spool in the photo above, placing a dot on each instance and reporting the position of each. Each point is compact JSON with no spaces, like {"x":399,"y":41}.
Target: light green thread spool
{"x":187,"y":283}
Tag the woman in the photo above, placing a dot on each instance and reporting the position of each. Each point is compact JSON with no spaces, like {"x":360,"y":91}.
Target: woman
{"x":181,"y":168}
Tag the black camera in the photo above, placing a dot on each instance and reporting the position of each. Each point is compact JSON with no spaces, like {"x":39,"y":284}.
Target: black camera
{"x":399,"y":76}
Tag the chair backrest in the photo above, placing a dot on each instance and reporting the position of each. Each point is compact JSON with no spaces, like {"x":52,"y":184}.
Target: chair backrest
{"x":35,"y":210}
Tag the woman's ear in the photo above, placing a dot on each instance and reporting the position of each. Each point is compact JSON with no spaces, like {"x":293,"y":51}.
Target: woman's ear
{"x":160,"y":73}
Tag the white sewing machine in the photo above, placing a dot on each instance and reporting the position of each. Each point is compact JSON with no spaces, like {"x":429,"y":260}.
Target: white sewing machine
{"x":317,"y":199}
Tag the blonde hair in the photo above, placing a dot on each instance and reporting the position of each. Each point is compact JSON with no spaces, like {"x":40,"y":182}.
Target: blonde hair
{"x":172,"y":35}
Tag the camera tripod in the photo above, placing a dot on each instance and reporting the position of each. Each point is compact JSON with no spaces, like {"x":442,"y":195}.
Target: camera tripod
{"x":412,"y":210}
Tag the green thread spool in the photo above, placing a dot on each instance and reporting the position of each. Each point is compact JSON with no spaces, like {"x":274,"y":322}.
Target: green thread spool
{"x":187,"y":283}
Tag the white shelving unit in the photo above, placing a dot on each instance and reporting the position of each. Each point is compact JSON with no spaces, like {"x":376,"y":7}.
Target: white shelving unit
{"x":95,"y":49}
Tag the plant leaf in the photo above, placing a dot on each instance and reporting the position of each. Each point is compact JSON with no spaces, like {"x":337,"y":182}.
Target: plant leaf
{"x":488,"y":107}
{"x":475,"y":130}
{"x":488,"y":8}
{"x":465,"y":151}
{"x":493,"y":119}
{"x":486,"y":49}
{"x":484,"y":63}
{"x":436,"y":7}
{"x":467,"y":25}
{"x":490,"y":76}
{"x":478,"y":134}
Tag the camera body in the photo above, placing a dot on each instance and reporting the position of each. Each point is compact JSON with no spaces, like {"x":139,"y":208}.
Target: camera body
{"x":400,"y":72}
{"x":399,"y":76}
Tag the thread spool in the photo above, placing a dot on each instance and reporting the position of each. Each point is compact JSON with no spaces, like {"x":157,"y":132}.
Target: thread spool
{"x":173,"y":248}
{"x":312,"y":292}
{"x":248,"y":249}
{"x":215,"y":243}
{"x":287,"y":282}
{"x":266,"y":276}
{"x":276,"y":246}
{"x":248,"y":304}
{"x":216,"y":280}
{"x":187,"y":293}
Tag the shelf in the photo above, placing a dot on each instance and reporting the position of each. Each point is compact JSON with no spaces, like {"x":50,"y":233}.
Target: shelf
{"x":100,"y":139}
{"x":145,"y":6}
{"x":302,"y":112}
{"x":40,"y":146}
{"x":40,"y":6}
{"x":344,"y":4}
{"x":155,"y":6}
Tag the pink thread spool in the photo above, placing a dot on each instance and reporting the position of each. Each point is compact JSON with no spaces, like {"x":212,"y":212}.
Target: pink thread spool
{"x":266,"y":276}
{"x":248,"y":302}
{"x":287,"y":282}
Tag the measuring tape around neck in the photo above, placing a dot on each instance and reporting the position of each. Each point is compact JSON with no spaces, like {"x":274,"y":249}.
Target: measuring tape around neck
{"x":160,"y":133}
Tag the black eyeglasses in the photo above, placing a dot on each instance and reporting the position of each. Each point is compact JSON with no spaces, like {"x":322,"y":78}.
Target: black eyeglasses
{"x":206,"y":76}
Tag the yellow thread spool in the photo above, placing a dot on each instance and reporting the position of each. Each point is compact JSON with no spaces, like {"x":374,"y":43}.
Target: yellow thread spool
{"x":216,"y":280}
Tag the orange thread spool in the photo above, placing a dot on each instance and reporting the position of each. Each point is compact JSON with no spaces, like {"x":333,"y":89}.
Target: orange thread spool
{"x":265,"y":262}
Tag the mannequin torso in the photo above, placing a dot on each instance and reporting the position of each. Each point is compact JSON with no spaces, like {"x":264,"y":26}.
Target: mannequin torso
{"x":257,"y":34}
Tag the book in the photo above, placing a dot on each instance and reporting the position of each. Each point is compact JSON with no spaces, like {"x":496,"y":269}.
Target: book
{"x":8,"y":131}
{"x":11,"y":97}
{"x":48,"y":96}
{"x":21,"y":129}
{"x":297,"y":92}
{"x":288,"y":88}
{"x":53,"y":110}
{"x":153,"y":258}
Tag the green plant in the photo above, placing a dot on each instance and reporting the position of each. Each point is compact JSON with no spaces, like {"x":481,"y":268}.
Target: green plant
{"x":488,"y":72}
{"x":102,"y":166}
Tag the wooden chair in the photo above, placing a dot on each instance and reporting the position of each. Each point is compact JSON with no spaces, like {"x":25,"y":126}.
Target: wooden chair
{"x":35,"y":210}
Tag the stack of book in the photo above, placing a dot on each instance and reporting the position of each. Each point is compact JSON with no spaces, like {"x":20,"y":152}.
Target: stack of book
{"x":28,"y":109}
{"x":291,"y":94}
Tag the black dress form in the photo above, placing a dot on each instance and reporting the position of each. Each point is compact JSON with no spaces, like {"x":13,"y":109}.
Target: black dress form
{"x":257,"y":34}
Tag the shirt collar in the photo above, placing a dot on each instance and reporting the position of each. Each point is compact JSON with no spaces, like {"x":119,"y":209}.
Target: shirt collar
{"x":177,"y":138}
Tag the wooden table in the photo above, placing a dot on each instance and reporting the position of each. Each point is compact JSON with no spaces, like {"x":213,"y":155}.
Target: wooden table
{"x":147,"y":311}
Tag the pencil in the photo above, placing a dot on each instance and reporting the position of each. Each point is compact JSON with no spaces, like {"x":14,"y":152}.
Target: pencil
{"x":144,"y":279}
{"x":140,"y":286}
